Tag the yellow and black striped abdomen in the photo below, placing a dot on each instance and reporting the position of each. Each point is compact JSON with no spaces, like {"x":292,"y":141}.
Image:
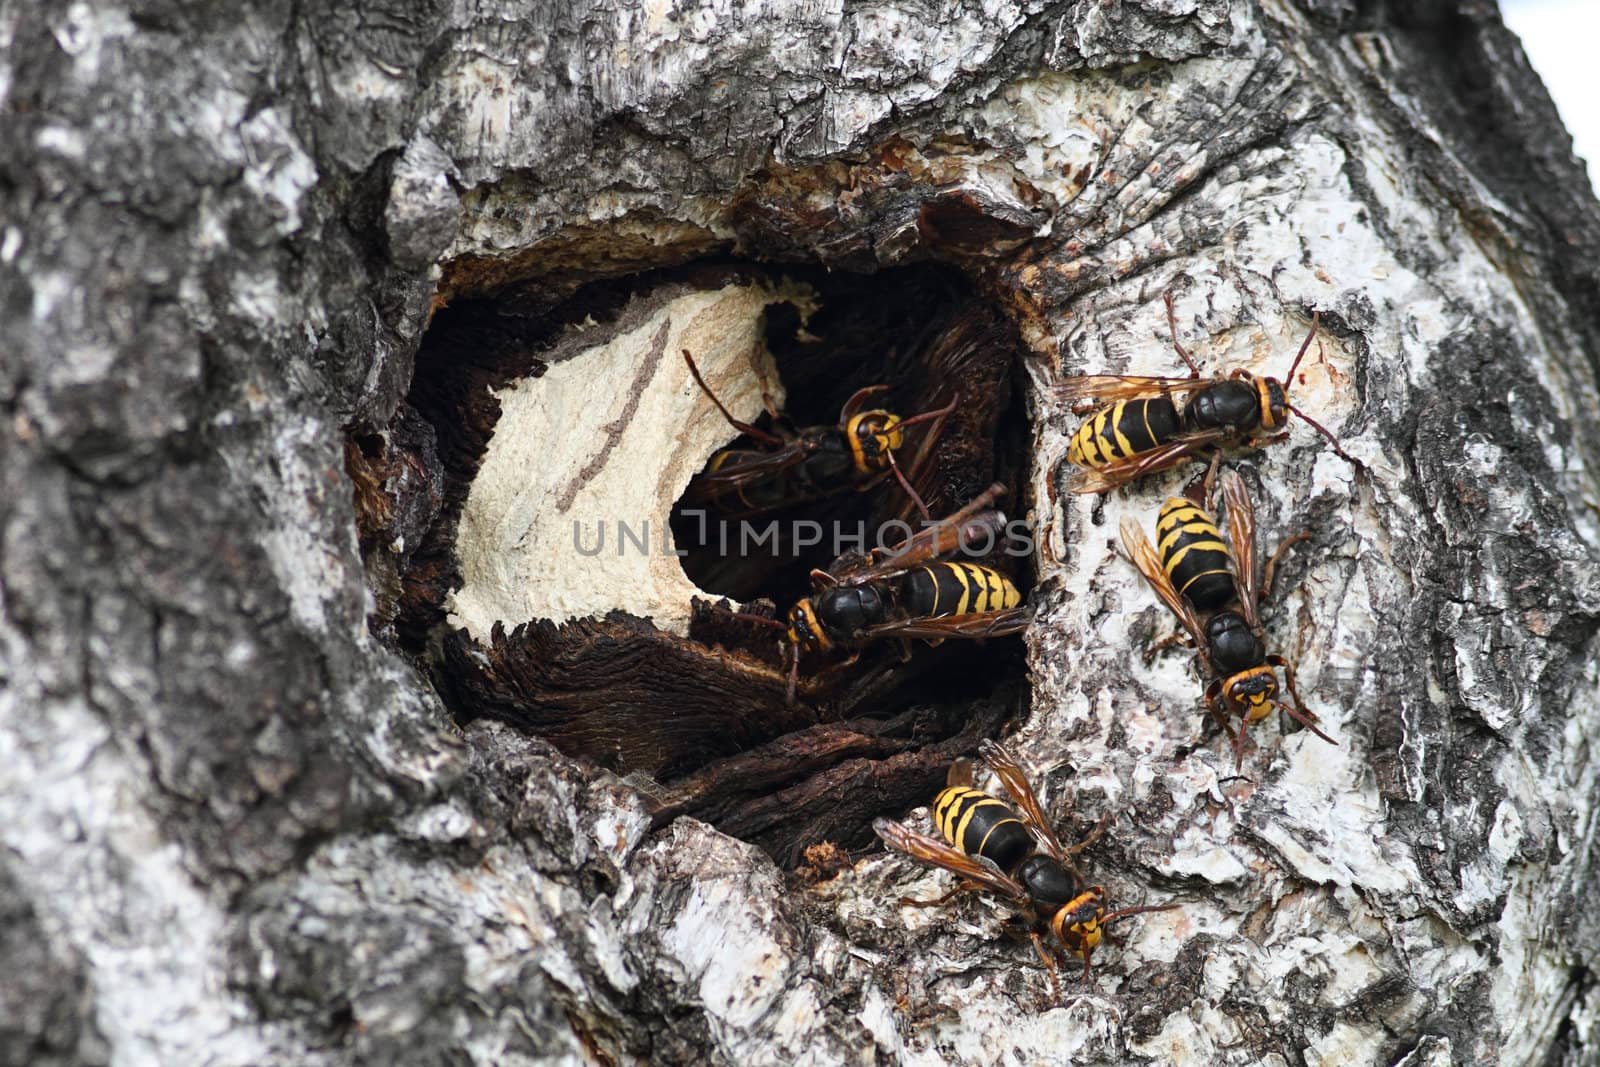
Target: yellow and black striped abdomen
{"x":1194,"y":554}
{"x":940,"y":589}
{"x":980,"y":825}
{"x":1123,"y":429}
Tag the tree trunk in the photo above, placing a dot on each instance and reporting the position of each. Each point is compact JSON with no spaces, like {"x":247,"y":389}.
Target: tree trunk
{"x":241,"y":825}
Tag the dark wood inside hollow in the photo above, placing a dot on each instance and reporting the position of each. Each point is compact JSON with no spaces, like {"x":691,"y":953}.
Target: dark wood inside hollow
{"x":702,"y":724}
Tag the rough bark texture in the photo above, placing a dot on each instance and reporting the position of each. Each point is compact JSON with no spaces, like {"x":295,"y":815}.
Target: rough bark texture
{"x":239,"y":829}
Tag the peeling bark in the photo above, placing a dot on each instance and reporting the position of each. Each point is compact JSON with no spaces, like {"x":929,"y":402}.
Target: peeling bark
{"x":240,"y":824}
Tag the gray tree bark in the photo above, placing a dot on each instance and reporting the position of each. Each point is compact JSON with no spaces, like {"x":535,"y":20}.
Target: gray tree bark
{"x":239,"y":829}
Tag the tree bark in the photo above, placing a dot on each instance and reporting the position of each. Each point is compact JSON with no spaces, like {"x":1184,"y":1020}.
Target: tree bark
{"x":239,"y":828}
